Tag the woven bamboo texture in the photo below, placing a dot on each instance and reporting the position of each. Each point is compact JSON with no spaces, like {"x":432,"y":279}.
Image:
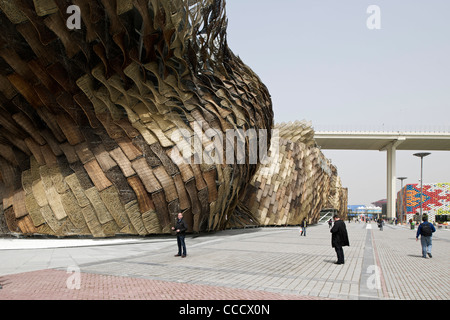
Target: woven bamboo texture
{"x":90,"y":117}
{"x":97,"y":124}
{"x":296,"y":184}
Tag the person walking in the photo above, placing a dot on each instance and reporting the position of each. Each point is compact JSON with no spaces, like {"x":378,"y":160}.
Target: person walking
{"x":380,"y":224}
{"x":303,"y":225}
{"x":180,"y":228}
{"x":339,"y":238}
{"x":330,"y":223}
{"x":425,"y":230}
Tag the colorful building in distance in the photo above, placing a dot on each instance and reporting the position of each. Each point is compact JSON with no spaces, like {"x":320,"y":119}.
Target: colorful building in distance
{"x":435,"y":202}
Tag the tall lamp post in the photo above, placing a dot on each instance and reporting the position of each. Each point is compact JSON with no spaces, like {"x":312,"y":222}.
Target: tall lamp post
{"x":421,"y":155}
{"x":401,"y":196}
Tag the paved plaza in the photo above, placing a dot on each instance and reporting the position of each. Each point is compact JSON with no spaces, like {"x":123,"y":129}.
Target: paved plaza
{"x":252,"y":264}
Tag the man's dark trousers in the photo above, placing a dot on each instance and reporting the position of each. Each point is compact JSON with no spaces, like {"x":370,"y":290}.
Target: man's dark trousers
{"x":340,"y":254}
{"x":181,"y":244}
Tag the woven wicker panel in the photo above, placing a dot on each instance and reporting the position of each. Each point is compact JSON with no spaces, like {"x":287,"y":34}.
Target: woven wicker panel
{"x":185,"y":169}
{"x":144,"y":199}
{"x":70,"y":129}
{"x":77,"y":190}
{"x":183,"y":197}
{"x":34,"y":210}
{"x":162,"y":211}
{"x":13,"y":133}
{"x":73,"y":210}
{"x":113,"y":130}
{"x":69,"y":152}
{"x":146,"y":174}
{"x":12,"y":11}
{"x":120,"y":182}
{"x":35,"y":150}
{"x":195,"y":204}
{"x":151,"y":223}
{"x":51,"y":219}
{"x":210,"y":179}
{"x":101,"y":211}
{"x":7,"y":153}
{"x":51,"y":141}
{"x":26,"y":226}
{"x":52,"y":123}
{"x":10,"y":174}
{"x":86,"y":106}
{"x":123,"y":162}
{"x":132,"y":209}
{"x":103,"y":157}
{"x":173,"y":208}
{"x":110,"y":229}
{"x":130,"y":150}
{"x":97,"y":176}
{"x":92,"y":221}
{"x":168,"y":164}
{"x":110,"y":198}
{"x":39,"y":193}
{"x":167,"y":183}
{"x":57,"y":179}
{"x":49,"y":156}
{"x":84,"y":153}
{"x":11,"y":220}
{"x":149,"y":155}
{"x":56,"y":23}
{"x":23,"y":121}
{"x":45,"y":176}
{"x":204,"y":204}
{"x":20,"y":209}
{"x":54,"y":201}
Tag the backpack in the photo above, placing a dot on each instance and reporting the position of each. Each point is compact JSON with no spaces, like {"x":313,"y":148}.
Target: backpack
{"x":426,"y":230}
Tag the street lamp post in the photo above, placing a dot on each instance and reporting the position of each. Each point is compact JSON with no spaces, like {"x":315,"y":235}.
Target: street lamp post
{"x":421,"y":155}
{"x":401,"y":196}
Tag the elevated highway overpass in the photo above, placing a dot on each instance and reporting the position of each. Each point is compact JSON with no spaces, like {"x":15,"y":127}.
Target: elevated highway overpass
{"x":384,"y":141}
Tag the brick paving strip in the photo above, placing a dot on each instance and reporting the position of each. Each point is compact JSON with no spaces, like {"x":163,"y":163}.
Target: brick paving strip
{"x":51,"y":284}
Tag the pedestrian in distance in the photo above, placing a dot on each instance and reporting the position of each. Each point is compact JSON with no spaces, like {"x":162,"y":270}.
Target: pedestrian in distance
{"x":425,"y":230}
{"x":330,"y":223}
{"x":303,"y":226}
{"x":180,"y":228}
{"x":339,"y":238}
{"x":380,"y":224}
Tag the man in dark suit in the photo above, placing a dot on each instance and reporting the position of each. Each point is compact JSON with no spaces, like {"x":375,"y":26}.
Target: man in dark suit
{"x":339,"y":238}
{"x":180,"y":228}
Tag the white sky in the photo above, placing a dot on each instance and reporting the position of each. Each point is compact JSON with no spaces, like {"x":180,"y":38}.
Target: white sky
{"x":321,"y":63}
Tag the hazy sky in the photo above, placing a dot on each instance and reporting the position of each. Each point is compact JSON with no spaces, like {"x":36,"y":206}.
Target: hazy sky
{"x":322,"y":63}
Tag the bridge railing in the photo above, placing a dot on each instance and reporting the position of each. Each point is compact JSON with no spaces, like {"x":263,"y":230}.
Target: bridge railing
{"x":445,"y":128}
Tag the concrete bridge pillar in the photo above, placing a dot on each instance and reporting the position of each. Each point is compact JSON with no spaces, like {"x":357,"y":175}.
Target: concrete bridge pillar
{"x":391,"y":195}
{"x":391,"y":183}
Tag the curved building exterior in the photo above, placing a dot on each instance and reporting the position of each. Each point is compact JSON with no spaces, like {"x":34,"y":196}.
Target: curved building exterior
{"x":115,"y":117}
